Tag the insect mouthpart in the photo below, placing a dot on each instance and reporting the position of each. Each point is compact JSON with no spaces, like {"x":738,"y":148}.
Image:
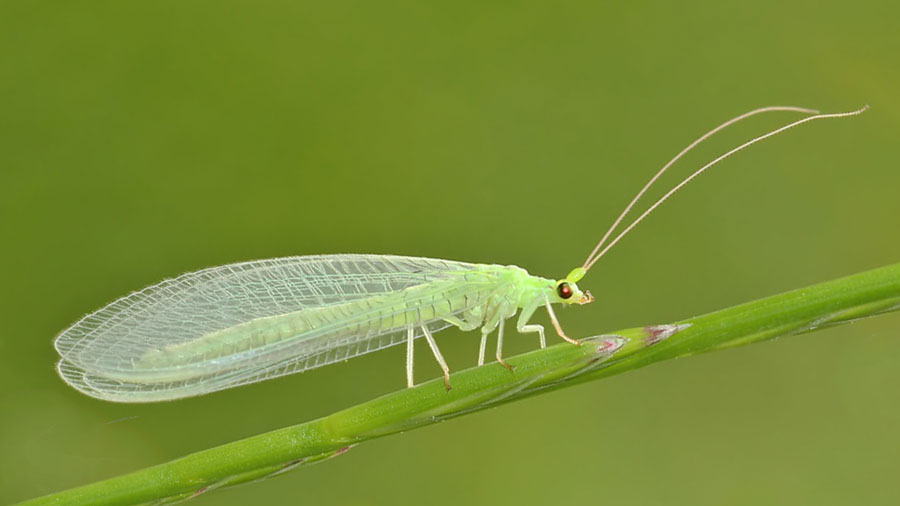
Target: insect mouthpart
{"x":587,"y":298}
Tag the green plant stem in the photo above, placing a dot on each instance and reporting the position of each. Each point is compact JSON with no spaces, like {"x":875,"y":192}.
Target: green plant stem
{"x":274,"y":452}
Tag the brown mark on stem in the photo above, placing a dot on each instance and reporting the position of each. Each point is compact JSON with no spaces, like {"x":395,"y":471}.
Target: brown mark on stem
{"x":658,"y":333}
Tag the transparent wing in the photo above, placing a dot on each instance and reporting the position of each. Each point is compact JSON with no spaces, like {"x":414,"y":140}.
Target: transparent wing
{"x":118,"y":390}
{"x":200,"y":332}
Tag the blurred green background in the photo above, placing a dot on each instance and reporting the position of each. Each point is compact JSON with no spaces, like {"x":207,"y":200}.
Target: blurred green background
{"x":142,"y":140}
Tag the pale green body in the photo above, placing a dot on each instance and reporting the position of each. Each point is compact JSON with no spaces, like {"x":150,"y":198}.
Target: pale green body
{"x":499,"y":291}
{"x":241,"y":323}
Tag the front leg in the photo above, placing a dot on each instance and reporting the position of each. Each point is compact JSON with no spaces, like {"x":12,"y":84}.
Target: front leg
{"x":556,"y":325}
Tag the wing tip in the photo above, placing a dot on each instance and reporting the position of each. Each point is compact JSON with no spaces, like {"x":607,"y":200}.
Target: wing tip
{"x":108,"y":389}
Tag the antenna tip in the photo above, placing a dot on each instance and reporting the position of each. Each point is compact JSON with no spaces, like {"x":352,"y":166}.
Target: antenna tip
{"x":858,"y":111}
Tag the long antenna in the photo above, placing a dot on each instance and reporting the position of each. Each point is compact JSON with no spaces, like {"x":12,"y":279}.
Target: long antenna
{"x":682,"y":153}
{"x":594,"y":256}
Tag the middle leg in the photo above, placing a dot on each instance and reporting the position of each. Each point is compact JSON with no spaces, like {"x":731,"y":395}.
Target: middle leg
{"x":522,"y":323}
{"x":534,"y":327}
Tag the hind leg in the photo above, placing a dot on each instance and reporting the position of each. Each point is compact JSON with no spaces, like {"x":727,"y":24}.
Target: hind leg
{"x":500,"y":347}
{"x":438,"y":356}
{"x":481,"y":348}
{"x":462,"y":324}
{"x":410,"y":337}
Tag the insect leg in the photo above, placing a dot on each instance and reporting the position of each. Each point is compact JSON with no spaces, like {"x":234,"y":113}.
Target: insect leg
{"x":410,"y":337}
{"x":462,"y":324}
{"x":500,"y":347}
{"x":534,"y":328}
{"x":437,"y":355}
{"x":482,"y":348}
{"x":556,"y":325}
{"x":466,"y":326}
{"x":524,"y":316}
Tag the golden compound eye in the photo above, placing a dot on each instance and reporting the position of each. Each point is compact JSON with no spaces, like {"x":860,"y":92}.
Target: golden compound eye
{"x":564,"y":290}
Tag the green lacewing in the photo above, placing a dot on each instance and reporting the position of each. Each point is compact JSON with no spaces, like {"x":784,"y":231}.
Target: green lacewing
{"x":246,"y":322}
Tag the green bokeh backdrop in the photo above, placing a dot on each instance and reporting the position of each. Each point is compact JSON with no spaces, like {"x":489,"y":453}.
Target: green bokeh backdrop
{"x":139,"y":140}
